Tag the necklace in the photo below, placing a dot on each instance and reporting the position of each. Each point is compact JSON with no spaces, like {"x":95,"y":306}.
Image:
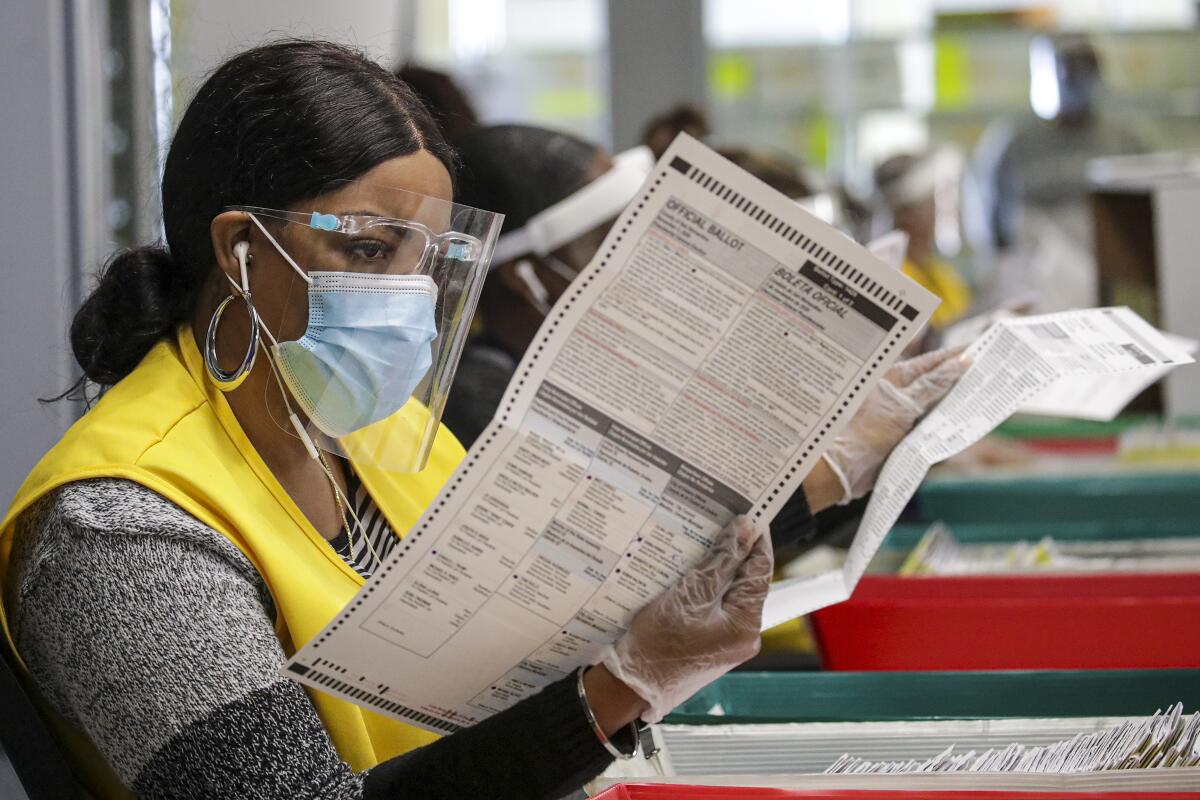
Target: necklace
{"x":346,"y":509}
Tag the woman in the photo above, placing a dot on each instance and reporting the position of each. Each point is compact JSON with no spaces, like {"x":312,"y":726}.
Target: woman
{"x":523,"y":171}
{"x":907,"y":185}
{"x":195,"y":526}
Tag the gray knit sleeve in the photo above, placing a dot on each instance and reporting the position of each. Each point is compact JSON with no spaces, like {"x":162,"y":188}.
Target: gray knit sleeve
{"x":153,"y":635}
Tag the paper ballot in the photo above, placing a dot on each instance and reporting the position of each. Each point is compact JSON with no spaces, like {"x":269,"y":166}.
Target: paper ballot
{"x":1012,"y":363}
{"x":1168,"y":740}
{"x":1101,"y":397}
{"x":695,"y":370}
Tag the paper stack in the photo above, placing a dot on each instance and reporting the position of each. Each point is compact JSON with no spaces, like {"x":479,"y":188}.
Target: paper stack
{"x":1160,"y":753}
{"x":1165,"y":740}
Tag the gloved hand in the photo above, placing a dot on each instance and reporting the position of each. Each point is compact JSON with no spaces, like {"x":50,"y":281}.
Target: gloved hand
{"x":700,"y":628}
{"x":906,"y":393}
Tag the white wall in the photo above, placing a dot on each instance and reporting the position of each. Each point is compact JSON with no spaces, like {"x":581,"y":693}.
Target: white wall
{"x":41,"y":230}
{"x":205,"y":33}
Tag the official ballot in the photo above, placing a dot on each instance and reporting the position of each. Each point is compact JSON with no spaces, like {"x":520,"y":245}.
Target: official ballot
{"x":1101,"y":397}
{"x":696,"y":369}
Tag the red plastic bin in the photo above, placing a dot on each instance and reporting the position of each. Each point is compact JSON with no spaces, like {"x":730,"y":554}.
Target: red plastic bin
{"x":666,"y":791}
{"x":1142,"y":621}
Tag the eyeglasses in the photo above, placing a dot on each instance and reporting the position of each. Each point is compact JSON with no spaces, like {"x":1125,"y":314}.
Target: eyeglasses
{"x":378,"y":244}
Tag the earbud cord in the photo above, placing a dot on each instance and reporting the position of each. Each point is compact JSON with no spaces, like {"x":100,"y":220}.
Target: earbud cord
{"x":344,"y":505}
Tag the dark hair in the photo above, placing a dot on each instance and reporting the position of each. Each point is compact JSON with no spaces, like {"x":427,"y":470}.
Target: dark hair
{"x":672,"y":122}
{"x":272,"y":127}
{"x":892,"y":170}
{"x":443,"y":98}
{"x":776,"y":172}
{"x":520,"y":170}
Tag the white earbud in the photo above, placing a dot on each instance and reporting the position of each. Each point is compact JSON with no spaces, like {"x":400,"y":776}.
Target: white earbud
{"x":304,"y":437}
{"x":242,"y":251}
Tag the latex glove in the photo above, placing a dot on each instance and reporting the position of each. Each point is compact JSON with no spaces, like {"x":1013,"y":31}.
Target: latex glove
{"x":906,"y":393}
{"x":703,"y":626}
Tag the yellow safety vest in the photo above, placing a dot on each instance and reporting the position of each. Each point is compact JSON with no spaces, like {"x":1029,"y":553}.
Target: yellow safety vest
{"x":167,"y":427}
{"x":942,"y":279}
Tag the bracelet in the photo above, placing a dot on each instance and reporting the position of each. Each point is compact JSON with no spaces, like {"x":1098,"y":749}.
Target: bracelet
{"x":596,"y":729}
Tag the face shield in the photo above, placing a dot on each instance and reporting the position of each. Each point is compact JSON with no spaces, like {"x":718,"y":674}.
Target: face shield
{"x":926,"y":194}
{"x":392,"y":278}
{"x":601,"y":200}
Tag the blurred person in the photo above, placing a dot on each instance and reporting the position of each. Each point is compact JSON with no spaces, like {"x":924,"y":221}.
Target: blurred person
{"x":857,"y":213}
{"x":776,"y":172}
{"x":445,"y":100}
{"x":536,"y":177}
{"x":661,"y":130}
{"x":790,"y":179}
{"x":907,"y":186}
{"x":1034,"y":172}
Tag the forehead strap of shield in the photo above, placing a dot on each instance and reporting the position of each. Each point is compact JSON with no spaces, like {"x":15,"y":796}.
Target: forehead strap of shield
{"x":576,"y":214}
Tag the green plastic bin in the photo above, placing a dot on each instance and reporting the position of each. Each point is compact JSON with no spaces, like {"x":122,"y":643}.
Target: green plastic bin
{"x":1034,"y":426}
{"x":778,"y":697}
{"x":1170,"y":497}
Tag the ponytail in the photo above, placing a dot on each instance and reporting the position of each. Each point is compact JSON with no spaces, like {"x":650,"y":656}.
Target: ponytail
{"x":127,"y":313}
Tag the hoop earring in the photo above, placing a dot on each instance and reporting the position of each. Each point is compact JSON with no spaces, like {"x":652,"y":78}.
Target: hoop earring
{"x":225,"y":380}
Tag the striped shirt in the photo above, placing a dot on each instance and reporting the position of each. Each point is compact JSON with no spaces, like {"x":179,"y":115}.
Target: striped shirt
{"x":373,"y":541}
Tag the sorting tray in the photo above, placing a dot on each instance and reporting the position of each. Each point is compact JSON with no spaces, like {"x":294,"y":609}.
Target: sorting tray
{"x":678,"y":791}
{"x":1138,"y":497}
{"x":992,"y":622}
{"x":664,"y":791}
{"x":776,"y":697}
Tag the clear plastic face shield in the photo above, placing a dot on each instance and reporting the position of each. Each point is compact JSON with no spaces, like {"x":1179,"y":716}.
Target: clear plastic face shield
{"x":391,"y":279}
{"x":599,"y":201}
{"x":575,"y":216}
{"x":933,"y":177}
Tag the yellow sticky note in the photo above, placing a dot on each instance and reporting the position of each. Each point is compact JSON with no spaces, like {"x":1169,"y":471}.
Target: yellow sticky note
{"x":555,"y":104}
{"x":951,"y":71}
{"x":730,"y":76}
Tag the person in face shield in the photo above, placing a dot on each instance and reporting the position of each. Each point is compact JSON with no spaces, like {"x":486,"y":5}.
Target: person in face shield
{"x":1035,"y":172}
{"x":907,"y":188}
{"x":257,"y":449}
{"x":539,"y":179}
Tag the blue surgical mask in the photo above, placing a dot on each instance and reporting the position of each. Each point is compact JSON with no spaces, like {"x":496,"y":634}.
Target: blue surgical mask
{"x":367,"y":346}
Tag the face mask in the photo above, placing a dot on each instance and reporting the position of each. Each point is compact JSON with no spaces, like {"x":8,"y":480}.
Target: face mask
{"x":366,"y":348}
{"x":537,"y":293}
{"x":560,"y":268}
